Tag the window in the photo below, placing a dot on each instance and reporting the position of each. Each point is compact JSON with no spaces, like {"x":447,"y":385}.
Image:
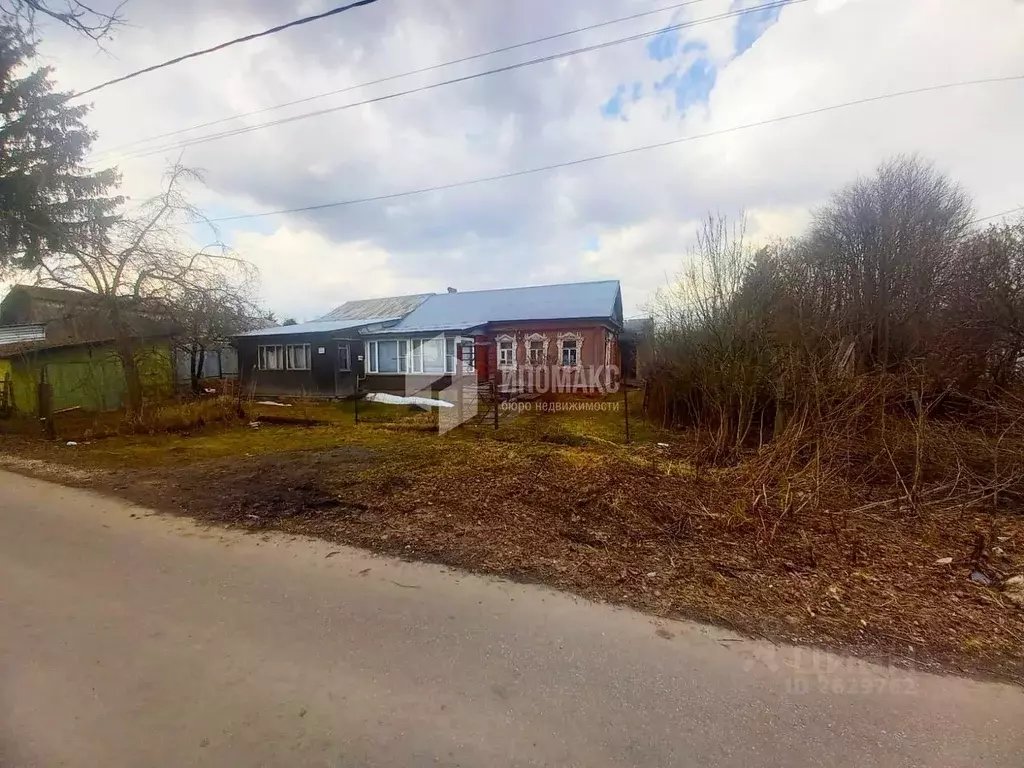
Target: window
{"x":449,"y":355}
{"x":506,"y":353}
{"x":403,"y":356}
{"x":387,"y":357}
{"x":468,"y":356}
{"x":416,"y":355}
{"x":271,"y":358}
{"x":297,"y":356}
{"x":433,"y":355}
{"x":537,"y":352}
{"x":570,"y":352}
{"x":344,"y":358}
{"x":412,"y":355}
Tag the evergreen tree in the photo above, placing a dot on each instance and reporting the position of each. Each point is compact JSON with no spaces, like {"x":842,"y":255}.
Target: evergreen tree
{"x":49,"y":202}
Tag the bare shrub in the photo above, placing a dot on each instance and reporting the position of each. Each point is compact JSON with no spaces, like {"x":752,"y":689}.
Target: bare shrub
{"x":882,"y":347}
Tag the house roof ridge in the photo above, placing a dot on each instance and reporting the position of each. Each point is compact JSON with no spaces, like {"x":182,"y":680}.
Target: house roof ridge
{"x":527,"y":287}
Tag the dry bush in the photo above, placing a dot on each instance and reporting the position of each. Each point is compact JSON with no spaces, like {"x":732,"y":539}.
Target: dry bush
{"x":882,"y":349}
{"x":191,"y":415}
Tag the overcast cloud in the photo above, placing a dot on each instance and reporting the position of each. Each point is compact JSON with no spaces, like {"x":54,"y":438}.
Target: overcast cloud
{"x":631,"y":217}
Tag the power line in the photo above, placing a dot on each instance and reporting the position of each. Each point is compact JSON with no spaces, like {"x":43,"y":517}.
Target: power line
{"x":519,"y":65}
{"x":997,"y":215}
{"x":633,"y":150}
{"x":410,"y":73}
{"x":221,"y":46}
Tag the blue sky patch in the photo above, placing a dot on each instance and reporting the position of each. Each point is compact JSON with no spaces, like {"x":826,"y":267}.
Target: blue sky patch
{"x":614,"y":106}
{"x":696,"y":84}
{"x":752,"y":25}
{"x":664,"y":46}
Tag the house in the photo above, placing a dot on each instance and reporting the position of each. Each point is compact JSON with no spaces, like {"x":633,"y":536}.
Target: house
{"x":319,"y":358}
{"x":69,"y":334}
{"x":539,"y":338}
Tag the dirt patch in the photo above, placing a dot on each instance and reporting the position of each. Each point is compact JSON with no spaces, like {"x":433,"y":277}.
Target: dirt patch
{"x":640,"y":529}
{"x":260,"y":491}
{"x":49,"y":470}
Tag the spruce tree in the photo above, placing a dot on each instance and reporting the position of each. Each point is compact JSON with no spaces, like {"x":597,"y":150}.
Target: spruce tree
{"x":49,"y":202}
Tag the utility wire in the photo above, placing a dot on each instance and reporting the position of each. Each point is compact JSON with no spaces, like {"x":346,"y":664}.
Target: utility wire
{"x":634,"y":150}
{"x":997,"y":215}
{"x":519,"y":65}
{"x":410,"y":73}
{"x":221,"y":46}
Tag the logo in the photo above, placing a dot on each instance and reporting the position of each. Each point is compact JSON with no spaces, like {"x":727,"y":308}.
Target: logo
{"x":504,"y":373}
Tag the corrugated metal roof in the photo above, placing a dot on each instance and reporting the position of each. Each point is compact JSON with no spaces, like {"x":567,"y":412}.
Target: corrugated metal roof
{"x":17,"y":334}
{"x":318,"y":326}
{"x":457,"y":311}
{"x":391,"y":306}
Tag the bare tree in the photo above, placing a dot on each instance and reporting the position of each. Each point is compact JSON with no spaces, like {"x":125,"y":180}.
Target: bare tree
{"x":74,"y":14}
{"x":210,"y":313}
{"x":145,"y":268}
{"x":881,"y":254}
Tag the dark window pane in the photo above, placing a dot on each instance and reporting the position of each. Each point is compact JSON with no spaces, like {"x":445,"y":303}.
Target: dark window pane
{"x":387,"y":356}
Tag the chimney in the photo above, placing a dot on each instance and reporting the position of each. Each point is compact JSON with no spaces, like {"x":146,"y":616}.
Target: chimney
{"x":452,"y":290}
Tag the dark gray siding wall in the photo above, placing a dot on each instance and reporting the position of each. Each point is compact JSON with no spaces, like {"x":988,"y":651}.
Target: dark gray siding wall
{"x":400,"y":384}
{"x":323,"y":379}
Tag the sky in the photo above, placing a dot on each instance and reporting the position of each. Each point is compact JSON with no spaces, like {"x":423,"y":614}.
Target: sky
{"x":631,"y":217}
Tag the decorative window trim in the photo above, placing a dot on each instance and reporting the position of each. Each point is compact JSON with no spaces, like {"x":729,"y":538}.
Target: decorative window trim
{"x":502,"y":339}
{"x":570,"y":336}
{"x":544,"y":355}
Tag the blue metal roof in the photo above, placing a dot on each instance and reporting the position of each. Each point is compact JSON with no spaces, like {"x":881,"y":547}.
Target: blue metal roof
{"x":457,"y":311}
{"x":390,"y":306}
{"x":319,"y":327}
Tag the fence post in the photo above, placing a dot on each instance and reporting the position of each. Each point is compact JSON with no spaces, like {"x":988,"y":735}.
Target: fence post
{"x":46,"y":405}
{"x":625,"y":405}
{"x":7,"y":396}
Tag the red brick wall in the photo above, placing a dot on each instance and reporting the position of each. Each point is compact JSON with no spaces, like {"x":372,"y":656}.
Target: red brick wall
{"x":599,"y":347}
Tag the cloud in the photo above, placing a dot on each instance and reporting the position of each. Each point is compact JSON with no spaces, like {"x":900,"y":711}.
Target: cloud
{"x":639,"y":209}
{"x":304,"y":275}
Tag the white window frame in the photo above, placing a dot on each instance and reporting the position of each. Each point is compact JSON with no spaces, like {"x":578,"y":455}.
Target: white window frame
{"x":348,"y":358}
{"x":507,"y":339}
{"x":530,"y":341}
{"x":463,"y":343}
{"x":411,"y":356}
{"x":564,"y":337}
{"x":439,"y":343}
{"x":370,"y":357}
{"x":306,"y":356}
{"x":279,"y":357}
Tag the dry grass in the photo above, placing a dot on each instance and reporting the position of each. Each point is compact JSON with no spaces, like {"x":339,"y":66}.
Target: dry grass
{"x":772,"y":544}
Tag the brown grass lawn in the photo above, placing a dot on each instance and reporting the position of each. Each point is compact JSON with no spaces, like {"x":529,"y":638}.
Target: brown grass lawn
{"x":559,"y":498}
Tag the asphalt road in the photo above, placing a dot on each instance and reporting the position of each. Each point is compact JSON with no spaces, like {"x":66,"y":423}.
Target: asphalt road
{"x":132,"y":639}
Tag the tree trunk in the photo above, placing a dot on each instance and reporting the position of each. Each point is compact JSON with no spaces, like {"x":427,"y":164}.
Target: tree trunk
{"x":132,"y":380}
{"x":126,"y":352}
{"x":198,"y":363}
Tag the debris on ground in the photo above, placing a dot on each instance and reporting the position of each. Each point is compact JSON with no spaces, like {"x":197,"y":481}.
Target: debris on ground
{"x":980,"y":578}
{"x":623,"y":528}
{"x":1013,"y":589}
{"x":424,"y":402}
